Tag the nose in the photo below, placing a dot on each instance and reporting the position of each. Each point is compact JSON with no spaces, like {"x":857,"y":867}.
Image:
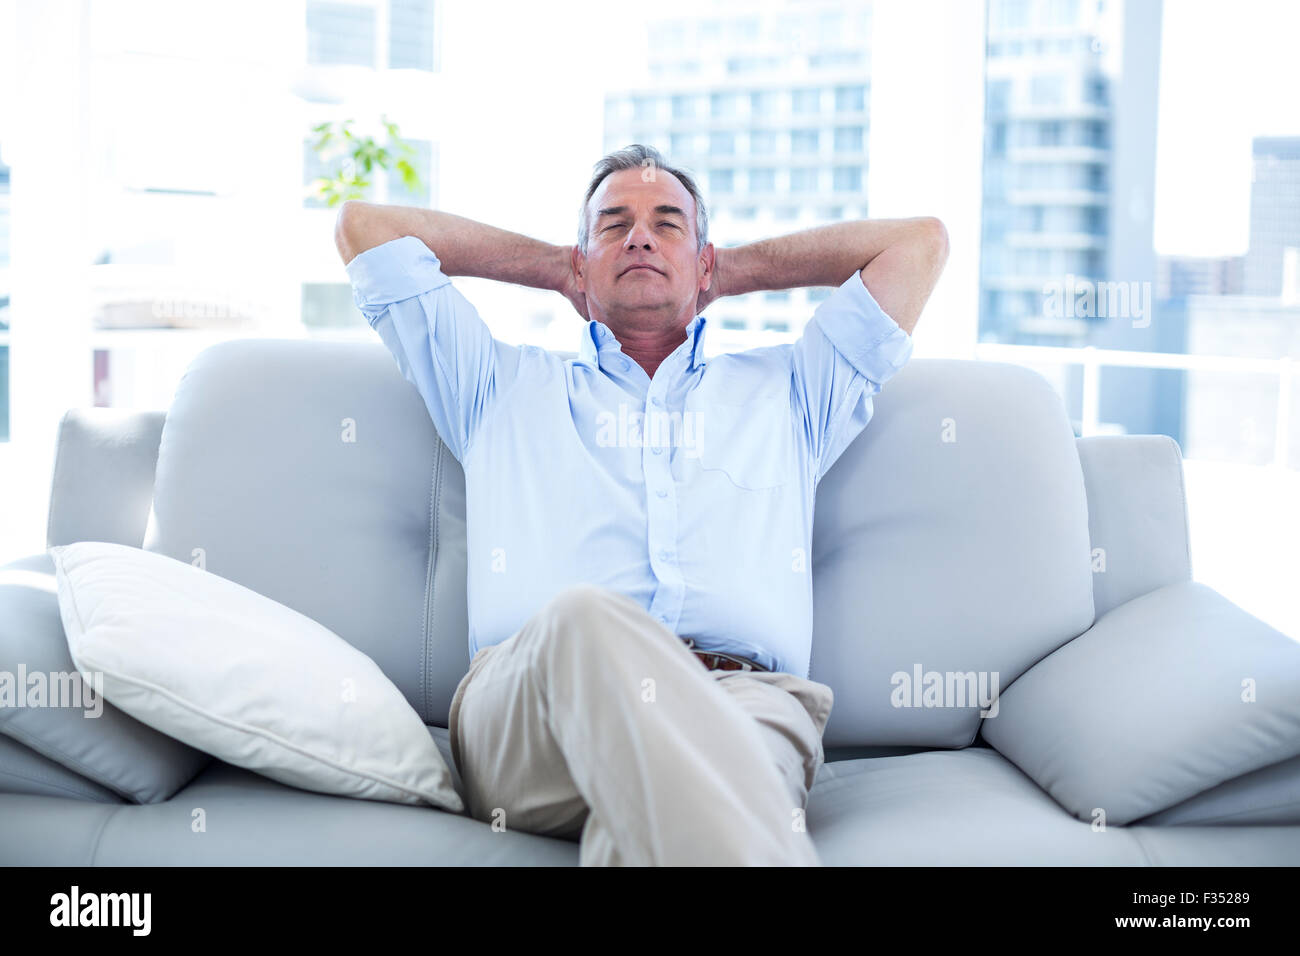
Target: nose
{"x":641,"y":235}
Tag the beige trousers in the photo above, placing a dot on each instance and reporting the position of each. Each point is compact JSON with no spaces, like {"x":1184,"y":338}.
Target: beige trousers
{"x":596,"y":722}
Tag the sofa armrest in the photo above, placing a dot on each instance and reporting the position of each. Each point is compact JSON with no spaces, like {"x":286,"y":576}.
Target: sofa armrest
{"x":1166,"y":696}
{"x":1137,"y":516}
{"x":103,"y":476}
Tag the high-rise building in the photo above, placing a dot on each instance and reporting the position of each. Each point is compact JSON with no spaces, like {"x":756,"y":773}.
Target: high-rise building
{"x":1179,"y":276}
{"x":1274,"y":212}
{"x":767,"y":105}
{"x":1069,"y":161}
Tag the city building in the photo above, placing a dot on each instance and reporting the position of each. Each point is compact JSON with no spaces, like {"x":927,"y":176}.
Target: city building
{"x":1274,"y":212}
{"x":1069,"y":160}
{"x":1179,"y":276}
{"x":767,"y":104}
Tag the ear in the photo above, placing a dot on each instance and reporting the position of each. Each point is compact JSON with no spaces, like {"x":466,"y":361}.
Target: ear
{"x":579,"y":262}
{"x":708,"y":261}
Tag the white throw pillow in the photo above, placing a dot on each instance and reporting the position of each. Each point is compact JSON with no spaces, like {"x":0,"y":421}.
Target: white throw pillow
{"x":234,"y":673}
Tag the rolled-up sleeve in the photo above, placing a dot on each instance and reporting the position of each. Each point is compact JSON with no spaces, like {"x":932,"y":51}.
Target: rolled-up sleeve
{"x":847,"y":352}
{"x":440,"y":343}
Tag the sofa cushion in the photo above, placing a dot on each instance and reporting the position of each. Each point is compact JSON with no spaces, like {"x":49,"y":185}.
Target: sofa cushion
{"x":96,"y":741}
{"x":1174,"y":692}
{"x":250,"y":820}
{"x":951,"y":539}
{"x":311,"y":473}
{"x":23,"y":770}
{"x":1268,"y":796}
{"x":235,"y":674}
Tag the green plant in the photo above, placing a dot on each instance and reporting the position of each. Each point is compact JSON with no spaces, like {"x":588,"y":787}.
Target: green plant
{"x":354,"y":159}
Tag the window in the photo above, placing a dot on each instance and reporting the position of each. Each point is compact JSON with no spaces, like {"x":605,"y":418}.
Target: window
{"x":722,"y":105}
{"x":327,"y":305}
{"x":683,"y":106}
{"x":805,"y":101}
{"x":340,"y":34}
{"x":762,"y":103}
{"x":849,"y":99}
{"x":762,"y":180}
{"x":849,"y":139}
{"x":398,"y":194}
{"x":803,"y":180}
{"x":848,"y":179}
{"x":762,"y":142}
{"x":722,"y":180}
{"x":722,"y":144}
{"x":410,"y":35}
{"x":804,"y":141}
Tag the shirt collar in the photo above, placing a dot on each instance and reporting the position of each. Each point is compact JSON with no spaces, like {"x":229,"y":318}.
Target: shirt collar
{"x":597,"y":337}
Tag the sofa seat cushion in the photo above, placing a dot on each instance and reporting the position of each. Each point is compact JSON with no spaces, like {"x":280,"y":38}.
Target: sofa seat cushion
{"x":973,"y":807}
{"x":251,"y":819}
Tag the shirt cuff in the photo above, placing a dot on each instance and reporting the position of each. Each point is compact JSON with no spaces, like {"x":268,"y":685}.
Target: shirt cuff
{"x":395,"y":270}
{"x":862,"y":332}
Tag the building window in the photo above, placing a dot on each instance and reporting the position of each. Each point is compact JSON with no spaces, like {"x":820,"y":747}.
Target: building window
{"x":683,"y":107}
{"x":762,"y":142}
{"x":722,"y":104}
{"x":849,"y":99}
{"x":803,"y":180}
{"x":722,"y":180}
{"x":762,"y":180}
{"x":804,"y":141}
{"x":806,"y":101}
{"x":848,"y":179}
{"x":849,"y":139}
{"x":722,"y":144}
{"x":340,"y":34}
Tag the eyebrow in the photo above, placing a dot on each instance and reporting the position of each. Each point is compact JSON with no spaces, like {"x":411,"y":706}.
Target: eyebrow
{"x":619,"y":210}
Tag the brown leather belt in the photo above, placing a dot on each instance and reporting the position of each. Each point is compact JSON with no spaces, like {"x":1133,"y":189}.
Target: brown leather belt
{"x":717,"y":661}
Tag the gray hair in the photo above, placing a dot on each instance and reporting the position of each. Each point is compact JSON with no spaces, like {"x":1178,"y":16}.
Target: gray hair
{"x":637,"y":156}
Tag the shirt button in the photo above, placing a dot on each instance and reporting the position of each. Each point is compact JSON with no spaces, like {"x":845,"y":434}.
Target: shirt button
{"x":661,"y":493}
{"x":657,"y":450}
{"x":665,"y":554}
{"x":658,"y":401}
{"x":625,"y":365}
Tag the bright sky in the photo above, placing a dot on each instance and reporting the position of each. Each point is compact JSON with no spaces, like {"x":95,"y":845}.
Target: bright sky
{"x":1229,"y":71}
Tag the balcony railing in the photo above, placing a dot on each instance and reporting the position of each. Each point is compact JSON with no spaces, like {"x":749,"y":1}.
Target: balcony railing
{"x":1093,"y":359}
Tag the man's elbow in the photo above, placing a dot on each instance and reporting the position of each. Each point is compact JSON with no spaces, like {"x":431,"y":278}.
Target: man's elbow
{"x":933,"y":237}
{"x":350,"y":229}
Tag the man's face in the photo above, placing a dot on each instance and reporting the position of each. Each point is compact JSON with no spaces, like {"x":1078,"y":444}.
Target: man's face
{"x":642,"y":270}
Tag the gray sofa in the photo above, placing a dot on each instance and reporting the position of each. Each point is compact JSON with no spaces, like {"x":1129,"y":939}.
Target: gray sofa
{"x":966,"y":533}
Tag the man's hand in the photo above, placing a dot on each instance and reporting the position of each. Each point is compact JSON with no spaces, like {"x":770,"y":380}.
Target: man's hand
{"x":569,"y":289}
{"x":900,"y":261}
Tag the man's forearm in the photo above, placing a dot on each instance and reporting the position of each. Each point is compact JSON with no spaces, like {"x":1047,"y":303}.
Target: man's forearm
{"x":463,"y":246}
{"x":900,"y":261}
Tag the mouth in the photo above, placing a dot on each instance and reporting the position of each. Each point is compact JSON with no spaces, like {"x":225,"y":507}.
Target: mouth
{"x":639,"y":268}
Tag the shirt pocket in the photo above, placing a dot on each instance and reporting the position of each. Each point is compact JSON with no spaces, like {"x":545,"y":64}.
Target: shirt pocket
{"x":751,"y":443}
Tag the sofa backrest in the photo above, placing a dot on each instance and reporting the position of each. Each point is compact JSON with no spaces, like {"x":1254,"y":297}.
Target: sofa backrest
{"x":312,"y":473}
{"x":953,"y":534}
{"x":950,"y":539}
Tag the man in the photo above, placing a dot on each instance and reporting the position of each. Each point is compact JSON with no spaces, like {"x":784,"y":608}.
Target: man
{"x":639,"y":511}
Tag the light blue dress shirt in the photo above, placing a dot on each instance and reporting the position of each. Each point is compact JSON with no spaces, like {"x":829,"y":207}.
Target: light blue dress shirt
{"x":690,"y":492}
